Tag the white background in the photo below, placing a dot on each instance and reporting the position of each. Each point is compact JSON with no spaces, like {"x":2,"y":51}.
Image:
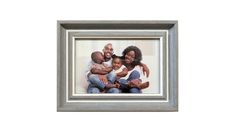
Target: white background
{"x":28,"y":65}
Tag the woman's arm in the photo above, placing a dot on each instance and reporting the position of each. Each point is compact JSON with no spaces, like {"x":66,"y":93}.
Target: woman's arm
{"x":145,"y":69}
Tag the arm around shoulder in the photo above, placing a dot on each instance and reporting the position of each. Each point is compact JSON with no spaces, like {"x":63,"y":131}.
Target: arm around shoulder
{"x":145,"y":69}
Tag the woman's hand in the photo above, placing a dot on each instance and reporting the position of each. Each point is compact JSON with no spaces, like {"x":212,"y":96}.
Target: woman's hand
{"x":145,"y":69}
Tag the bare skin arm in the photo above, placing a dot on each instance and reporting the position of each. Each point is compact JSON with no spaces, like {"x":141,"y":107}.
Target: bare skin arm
{"x":101,"y":71}
{"x":123,"y":73}
{"x":145,"y":69}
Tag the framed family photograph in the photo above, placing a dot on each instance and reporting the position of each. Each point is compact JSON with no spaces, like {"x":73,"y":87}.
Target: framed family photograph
{"x":117,"y":66}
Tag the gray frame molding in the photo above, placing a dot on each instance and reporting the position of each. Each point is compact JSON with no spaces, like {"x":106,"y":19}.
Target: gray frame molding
{"x":67,"y":102}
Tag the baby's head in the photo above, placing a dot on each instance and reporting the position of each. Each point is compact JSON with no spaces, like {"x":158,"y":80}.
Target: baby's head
{"x":97,"y":57}
{"x":117,"y":63}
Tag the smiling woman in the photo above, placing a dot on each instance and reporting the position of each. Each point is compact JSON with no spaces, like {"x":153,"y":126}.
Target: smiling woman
{"x":132,"y":60}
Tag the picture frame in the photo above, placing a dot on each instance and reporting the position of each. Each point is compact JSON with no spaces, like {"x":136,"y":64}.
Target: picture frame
{"x":69,"y":32}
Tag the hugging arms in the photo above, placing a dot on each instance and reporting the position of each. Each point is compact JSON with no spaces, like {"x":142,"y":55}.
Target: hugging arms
{"x":122,"y":71}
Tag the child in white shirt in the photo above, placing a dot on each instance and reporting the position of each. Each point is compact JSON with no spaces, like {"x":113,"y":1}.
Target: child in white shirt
{"x":120,"y":70}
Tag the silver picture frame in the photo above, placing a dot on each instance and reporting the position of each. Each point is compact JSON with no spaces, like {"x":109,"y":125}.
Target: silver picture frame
{"x":68,"y":31}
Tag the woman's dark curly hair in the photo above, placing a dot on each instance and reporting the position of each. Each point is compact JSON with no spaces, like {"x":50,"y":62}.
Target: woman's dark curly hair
{"x":138,"y":54}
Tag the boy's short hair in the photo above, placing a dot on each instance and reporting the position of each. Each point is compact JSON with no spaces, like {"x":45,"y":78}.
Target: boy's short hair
{"x":94,"y":54}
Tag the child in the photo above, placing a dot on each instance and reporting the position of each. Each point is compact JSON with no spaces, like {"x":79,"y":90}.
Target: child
{"x":103,"y":82}
{"x":120,"y":70}
{"x":122,"y":75}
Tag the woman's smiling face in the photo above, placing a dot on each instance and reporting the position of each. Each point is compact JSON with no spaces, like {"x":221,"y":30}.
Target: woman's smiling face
{"x":129,"y":57}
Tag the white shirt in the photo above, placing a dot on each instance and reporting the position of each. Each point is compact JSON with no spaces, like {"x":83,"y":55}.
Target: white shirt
{"x":140,"y":70}
{"x":120,"y":69}
{"x":109,"y":63}
{"x":92,"y":63}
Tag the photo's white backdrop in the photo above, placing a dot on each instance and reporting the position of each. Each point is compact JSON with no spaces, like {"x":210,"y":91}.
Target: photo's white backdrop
{"x":28,"y":65}
{"x":150,"y":53}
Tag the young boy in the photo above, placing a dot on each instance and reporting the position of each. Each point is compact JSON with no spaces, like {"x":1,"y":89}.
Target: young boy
{"x":102,"y":82}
